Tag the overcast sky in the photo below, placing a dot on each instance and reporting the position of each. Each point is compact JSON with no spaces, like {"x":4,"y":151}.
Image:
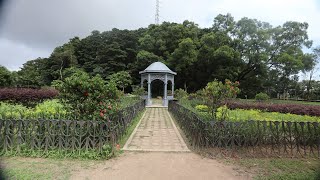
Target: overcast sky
{"x":33,"y":28}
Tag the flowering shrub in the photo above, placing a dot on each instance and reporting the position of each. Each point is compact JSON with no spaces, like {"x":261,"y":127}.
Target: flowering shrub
{"x":217,"y":92}
{"x":89,"y":97}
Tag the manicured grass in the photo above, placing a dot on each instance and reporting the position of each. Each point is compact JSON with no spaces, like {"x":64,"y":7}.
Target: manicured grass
{"x":128,"y":100}
{"x":130,"y":129}
{"x":281,"y":169}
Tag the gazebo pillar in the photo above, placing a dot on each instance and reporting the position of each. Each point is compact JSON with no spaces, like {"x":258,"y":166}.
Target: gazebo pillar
{"x":149,"y":91}
{"x":172,"y":89}
{"x":165,"y":93}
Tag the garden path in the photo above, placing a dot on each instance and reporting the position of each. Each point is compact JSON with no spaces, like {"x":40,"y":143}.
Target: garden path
{"x":156,"y":132}
{"x":156,"y":151}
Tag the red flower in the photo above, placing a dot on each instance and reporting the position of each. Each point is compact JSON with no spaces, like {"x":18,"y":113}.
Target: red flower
{"x":86,"y":93}
{"x":101,"y":114}
{"x":118,"y":147}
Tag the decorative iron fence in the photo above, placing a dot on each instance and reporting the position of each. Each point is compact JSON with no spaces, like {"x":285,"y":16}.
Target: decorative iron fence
{"x":256,"y":138}
{"x":71,"y":135}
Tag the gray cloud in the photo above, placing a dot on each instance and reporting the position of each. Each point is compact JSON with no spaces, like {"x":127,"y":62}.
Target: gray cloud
{"x":46,"y":23}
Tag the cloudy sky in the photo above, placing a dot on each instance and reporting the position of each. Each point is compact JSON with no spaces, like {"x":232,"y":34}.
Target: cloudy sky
{"x":33,"y":28}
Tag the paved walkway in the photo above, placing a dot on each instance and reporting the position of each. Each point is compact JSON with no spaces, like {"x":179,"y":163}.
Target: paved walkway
{"x":156,"y":132}
{"x":173,"y":161}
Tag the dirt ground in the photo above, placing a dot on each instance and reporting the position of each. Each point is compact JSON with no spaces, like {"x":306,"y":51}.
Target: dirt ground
{"x":160,"y":165}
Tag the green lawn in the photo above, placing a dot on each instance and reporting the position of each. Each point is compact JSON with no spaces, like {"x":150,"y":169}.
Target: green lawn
{"x":40,"y":168}
{"x":281,"y":169}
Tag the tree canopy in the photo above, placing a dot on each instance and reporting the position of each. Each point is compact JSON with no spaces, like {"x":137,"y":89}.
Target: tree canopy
{"x":261,"y":57}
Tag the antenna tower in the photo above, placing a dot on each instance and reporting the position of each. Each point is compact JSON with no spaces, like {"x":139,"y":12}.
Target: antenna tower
{"x":157,"y":12}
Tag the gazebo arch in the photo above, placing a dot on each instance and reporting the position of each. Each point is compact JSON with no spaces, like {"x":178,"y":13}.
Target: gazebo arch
{"x":160,"y":71}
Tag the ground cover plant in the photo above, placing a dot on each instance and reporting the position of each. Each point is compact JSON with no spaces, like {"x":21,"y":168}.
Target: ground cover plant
{"x":300,"y":109}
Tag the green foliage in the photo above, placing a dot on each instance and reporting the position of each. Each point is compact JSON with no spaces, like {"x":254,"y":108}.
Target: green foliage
{"x":180,"y":94}
{"x":138,"y":91}
{"x":262,"y":96}
{"x":264,"y":58}
{"x":5,"y":77}
{"x":217,"y":92}
{"x":13,"y":111}
{"x":240,"y":115}
{"x":202,"y":108}
{"x":122,"y":79}
{"x":90,"y":97}
{"x":222,"y":113}
{"x":48,"y":109}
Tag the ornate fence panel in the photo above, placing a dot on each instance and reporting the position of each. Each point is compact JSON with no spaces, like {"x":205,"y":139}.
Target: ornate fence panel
{"x":257,"y":138}
{"x":71,"y":135}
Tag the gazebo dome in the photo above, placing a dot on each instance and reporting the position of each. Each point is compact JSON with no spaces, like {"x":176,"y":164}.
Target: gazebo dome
{"x":157,"y":67}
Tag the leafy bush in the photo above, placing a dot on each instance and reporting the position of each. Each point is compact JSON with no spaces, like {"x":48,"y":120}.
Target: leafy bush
{"x":51,"y":108}
{"x":47,"y":109}
{"x":89,"y":97}
{"x":217,"y":92}
{"x":262,"y":96}
{"x":202,"y":108}
{"x":299,"y":109}
{"x":180,"y":93}
{"x":13,"y":111}
{"x":25,"y":95}
{"x":138,"y":91}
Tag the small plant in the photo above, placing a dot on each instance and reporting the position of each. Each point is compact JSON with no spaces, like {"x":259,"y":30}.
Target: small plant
{"x":262,"y":97}
{"x":202,"y":108}
{"x":138,"y":91}
{"x":216,"y":93}
{"x":180,"y":93}
{"x":222,"y":113}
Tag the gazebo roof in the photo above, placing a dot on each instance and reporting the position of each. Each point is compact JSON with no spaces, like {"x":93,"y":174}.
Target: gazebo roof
{"x":157,"y":67}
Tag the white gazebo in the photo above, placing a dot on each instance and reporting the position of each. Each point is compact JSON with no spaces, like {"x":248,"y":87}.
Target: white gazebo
{"x":160,"y":71}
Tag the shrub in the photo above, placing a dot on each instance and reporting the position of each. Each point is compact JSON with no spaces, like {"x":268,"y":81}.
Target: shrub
{"x":180,"y":93}
{"x":217,"y":92}
{"x":262,"y":96}
{"x":25,"y":95}
{"x":89,"y":97}
{"x":138,"y":91}
{"x":202,"y":108}
{"x":47,"y":109}
{"x":50,"y":108}
{"x":300,"y":109}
